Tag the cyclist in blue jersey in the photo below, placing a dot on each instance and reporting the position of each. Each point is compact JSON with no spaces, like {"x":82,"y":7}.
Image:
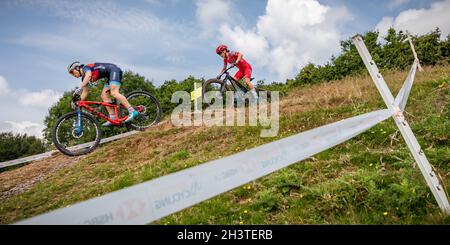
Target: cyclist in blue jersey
{"x":113,"y":74}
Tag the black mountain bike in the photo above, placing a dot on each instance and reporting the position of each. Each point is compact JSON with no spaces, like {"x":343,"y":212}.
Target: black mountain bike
{"x":219,"y":87}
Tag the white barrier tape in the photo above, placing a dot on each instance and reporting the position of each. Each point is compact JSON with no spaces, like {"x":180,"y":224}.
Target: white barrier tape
{"x":26,"y":159}
{"x":49,"y":153}
{"x":152,"y":200}
{"x":403,"y":94}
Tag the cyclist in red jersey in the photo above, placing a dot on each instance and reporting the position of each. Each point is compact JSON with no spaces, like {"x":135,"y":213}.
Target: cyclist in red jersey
{"x":91,"y":73}
{"x":236,"y":59}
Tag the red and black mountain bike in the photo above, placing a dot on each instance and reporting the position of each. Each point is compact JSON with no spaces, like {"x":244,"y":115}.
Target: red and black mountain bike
{"x":78,"y":132}
{"x":215,"y":89}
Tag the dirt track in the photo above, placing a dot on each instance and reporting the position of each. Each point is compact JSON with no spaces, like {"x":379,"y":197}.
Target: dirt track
{"x":16,"y":181}
{"x":19,"y":180}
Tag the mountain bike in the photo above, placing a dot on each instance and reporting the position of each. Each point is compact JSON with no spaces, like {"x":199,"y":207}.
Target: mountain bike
{"x":78,"y":132}
{"x":219,"y":87}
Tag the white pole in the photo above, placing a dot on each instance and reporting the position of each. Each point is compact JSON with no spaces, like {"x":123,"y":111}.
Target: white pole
{"x":195,"y":100}
{"x":418,"y":154}
{"x":414,"y":53}
{"x":198,"y":116}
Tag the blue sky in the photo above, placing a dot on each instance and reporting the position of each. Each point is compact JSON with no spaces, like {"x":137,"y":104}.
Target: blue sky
{"x":172,"y":39}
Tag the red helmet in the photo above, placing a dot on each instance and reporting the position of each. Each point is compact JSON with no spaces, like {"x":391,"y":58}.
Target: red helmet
{"x":221,"y":48}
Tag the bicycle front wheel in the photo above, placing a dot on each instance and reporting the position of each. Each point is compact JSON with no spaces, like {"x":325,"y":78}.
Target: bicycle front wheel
{"x":74,"y":139}
{"x":213,"y":90}
{"x":148,"y":107}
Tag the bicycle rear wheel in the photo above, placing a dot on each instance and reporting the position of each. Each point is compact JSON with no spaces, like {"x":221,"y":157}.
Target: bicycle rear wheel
{"x":267,"y":94}
{"x":148,"y":107}
{"x":73,"y":140}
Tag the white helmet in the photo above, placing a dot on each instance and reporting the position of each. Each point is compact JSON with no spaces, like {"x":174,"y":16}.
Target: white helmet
{"x":73,"y":66}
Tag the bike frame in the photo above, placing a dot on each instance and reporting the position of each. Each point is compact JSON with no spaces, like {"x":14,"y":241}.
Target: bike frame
{"x":234,"y":83}
{"x":85,"y":104}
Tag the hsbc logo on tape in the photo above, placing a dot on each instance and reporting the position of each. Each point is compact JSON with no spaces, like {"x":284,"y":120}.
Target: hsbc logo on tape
{"x":130,"y":209}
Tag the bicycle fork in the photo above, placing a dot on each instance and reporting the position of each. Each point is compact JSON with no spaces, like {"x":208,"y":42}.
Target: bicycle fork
{"x":79,"y":128}
{"x":221,"y":92}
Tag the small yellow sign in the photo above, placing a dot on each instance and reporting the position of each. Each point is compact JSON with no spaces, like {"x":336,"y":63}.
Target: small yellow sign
{"x":196,"y":93}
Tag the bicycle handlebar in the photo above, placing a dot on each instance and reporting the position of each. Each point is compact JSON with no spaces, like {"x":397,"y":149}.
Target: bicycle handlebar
{"x":226,"y":70}
{"x":75,"y":99}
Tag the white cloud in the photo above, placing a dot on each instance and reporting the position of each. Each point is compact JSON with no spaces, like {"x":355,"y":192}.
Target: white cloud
{"x":289,"y":35}
{"x":419,"y":21}
{"x":153,"y":73}
{"x":23,"y":104}
{"x":44,"y":98}
{"x":4,"y":89}
{"x":27,"y":127}
{"x":256,"y":46}
{"x":19,"y":106}
{"x":213,"y":13}
{"x":384,"y":25}
{"x":39,"y":99}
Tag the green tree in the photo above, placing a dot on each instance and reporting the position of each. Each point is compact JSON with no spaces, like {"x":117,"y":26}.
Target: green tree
{"x":396,"y":53}
{"x":347,"y":63}
{"x":13,"y":146}
{"x":169,"y":87}
{"x":445,"y":49}
{"x":428,"y":47}
{"x":309,"y":74}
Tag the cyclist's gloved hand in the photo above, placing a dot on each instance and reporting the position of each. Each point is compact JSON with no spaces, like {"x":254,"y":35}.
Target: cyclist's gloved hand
{"x":78,"y":91}
{"x":93,"y":84}
{"x":76,"y":96}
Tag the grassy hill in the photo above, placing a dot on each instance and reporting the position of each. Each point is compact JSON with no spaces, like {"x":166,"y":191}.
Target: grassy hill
{"x":371,"y":179}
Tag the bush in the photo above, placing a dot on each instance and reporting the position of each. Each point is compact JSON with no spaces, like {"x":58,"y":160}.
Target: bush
{"x":19,"y":145}
{"x":394,"y":54}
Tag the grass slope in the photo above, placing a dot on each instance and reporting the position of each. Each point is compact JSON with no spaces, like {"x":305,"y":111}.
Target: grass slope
{"x":371,"y":179}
